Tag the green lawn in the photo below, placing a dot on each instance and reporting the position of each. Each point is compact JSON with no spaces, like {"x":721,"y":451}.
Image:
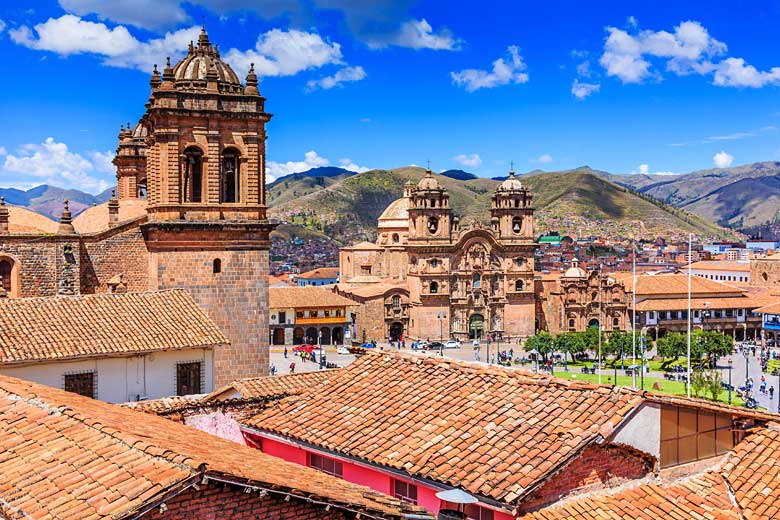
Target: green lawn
{"x":667,"y":387}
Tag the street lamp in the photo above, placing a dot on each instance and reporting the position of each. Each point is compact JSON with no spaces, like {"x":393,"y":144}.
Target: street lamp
{"x":731,"y":361}
{"x":319,"y":340}
{"x":441,"y":315}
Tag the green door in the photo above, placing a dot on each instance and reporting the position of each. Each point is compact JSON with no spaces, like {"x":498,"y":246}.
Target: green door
{"x":476,"y":326}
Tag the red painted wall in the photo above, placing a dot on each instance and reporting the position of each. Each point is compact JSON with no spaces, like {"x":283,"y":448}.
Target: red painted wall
{"x":367,"y":476}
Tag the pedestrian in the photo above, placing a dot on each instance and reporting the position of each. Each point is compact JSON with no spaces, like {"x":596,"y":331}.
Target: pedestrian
{"x":771,"y":391}
{"x":285,"y":352}
{"x":313,"y":358}
{"x":511,"y":353}
{"x":292,"y":367}
{"x":273,"y":369}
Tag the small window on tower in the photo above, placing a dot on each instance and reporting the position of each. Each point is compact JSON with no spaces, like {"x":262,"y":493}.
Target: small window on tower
{"x":433,"y":225}
{"x":217,"y":266}
{"x":516,"y":225}
{"x":434,"y":288}
{"x":396,"y":238}
{"x":230,"y":176}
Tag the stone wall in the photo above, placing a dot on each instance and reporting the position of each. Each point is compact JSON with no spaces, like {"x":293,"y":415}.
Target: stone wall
{"x":765,"y":271}
{"x":218,"y":502}
{"x":122,"y":251}
{"x":597,"y":467}
{"x":236,"y":298}
{"x":36,"y":256}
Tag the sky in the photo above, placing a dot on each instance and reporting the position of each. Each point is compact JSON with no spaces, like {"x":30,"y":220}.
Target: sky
{"x":653,"y":87}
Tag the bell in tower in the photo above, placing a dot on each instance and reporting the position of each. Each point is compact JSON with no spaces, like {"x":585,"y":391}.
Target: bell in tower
{"x":511,"y":207}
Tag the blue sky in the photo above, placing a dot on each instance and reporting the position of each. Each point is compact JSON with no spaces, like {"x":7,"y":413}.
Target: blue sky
{"x":620,"y":86}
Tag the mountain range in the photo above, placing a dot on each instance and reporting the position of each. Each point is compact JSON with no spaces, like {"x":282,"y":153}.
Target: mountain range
{"x":345,"y":205}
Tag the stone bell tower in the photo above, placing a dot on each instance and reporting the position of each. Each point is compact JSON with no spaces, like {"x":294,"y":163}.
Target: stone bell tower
{"x":207,"y":230}
{"x":429,"y":212}
{"x":512,"y":212}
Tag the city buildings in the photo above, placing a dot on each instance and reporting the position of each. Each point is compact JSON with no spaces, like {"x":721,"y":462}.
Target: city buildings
{"x":319,"y":276}
{"x":314,"y":315}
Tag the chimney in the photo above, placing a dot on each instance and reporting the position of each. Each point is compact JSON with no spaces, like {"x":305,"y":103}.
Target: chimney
{"x":113,"y":210}
{"x":3,"y":217}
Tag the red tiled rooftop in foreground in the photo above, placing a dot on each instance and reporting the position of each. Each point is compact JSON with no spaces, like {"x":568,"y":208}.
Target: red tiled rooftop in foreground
{"x":494,"y":432}
{"x":64,"y":456}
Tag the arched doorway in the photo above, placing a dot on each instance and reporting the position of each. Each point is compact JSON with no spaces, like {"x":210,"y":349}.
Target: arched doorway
{"x":593,"y":323}
{"x":311,"y":335}
{"x":396,"y":330}
{"x":297,"y":336}
{"x":6,"y":267}
{"x":476,"y":326}
{"x":325,"y":331}
{"x":278,"y":338}
{"x":338,"y":336}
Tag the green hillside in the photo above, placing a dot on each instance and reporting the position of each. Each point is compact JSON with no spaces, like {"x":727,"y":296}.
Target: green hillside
{"x":576,"y":202}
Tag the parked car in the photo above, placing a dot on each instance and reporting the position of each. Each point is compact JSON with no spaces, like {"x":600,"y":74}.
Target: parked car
{"x":368,"y":344}
{"x":306,"y":347}
{"x":453,"y":343}
{"x":436,"y":345}
{"x":342,"y":350}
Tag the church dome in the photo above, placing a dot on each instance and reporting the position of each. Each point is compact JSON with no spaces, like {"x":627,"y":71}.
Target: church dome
{"x":428,"y":182}
{"x":396,"y":215}
{"x":512,"y":183}
{"x":575,"y":271}
{"x":193,"y":69}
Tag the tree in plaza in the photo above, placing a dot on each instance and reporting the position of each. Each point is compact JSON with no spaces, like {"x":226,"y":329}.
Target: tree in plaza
{"x":711,"y":343}
{"x":616,"y":343}
{"x":672,"y":346}
{"x":570,"y":343}
{"x":706,"y":383}
{"x":542,"y":342}
{"x":591,"y":338}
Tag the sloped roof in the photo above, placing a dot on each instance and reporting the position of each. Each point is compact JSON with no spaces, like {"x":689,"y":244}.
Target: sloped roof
{"x":70,"y":457}
{"x":21,"y":220}
{"x":491,"y":431}
{"x":720,"y":265}
{"x":321,"y":272}
{"x":68,"y":327}
{"x":363,"y":246}
{"x":753,"y":471}
{"x":271,"y":386}
{"x":95,"y":219}
{"x":681,"y":304}
{"x":660,"y":284}
{"x":310,"y":296}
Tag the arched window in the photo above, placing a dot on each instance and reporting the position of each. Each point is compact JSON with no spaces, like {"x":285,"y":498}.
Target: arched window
{"x":433,"y":225}
{"x":434,"y":287}
{"x":230,"y":176}
{"x":142,"y":189}
{"x":519,"y":285}
{"x":476,"y":281}
{"x":615,"y":322}
{"x":571,"y":323}
{"x":193,"y":175}
{"x":517,"y":223}
{"x":396,"y":238}
{"x":217,"y":266}
{"x":396,"y":302}
{"x":434,"y":262}
{"x":6,"y":266}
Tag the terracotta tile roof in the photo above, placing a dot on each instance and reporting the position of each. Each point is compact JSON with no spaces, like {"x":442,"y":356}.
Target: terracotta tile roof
{"x":322,"y":272}
{"x":66,"y":457}
{"x":724,"y":265}
{"x":67,"y":327}
{"x":372,"y":290}
{"x":660,"y":284}
{"x":95,"y":218}
{"x":271,"y":386}
{"x":363,"y":246}
{"x":164,"y":404}
{"x":492,"y":431}
{"x":295,"y":297}
{"x":704,"y":497}
{"x":771,"y":308}
{"x":21,"y":220}
{"x":753,"y":472}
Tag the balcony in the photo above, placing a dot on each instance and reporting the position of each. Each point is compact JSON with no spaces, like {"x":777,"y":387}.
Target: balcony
{"x":319,"y":320}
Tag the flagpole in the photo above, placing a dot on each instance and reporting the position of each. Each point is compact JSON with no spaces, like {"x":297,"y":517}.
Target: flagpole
{"x":601,"y":297}
{"x":690,"y":259}
{"x":633,"y":325}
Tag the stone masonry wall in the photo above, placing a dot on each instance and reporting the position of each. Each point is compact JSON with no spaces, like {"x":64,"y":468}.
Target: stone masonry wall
{"x":597,"y":467}
{"x":37,"y":256}
{"x":122,"y":253}
{"x":217,"y":502}
{"x":236,"y":299}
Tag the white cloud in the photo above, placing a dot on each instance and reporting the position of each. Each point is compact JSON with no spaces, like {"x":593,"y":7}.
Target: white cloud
{"x":583,"y":69}
{"x":311,"y":160}
{"x":2,"y":26}
{"x":285,"y":53}
{"x":722,"y":159}
{"x":644,"y":169}
{"x":53,"y":163}
{"x":503,"y":73}
{"x":140,"y":13}
{"x":343,"y":75}
{"x":544,"y":159}
{"x":3,"y":151}
{"x":690,"y":49}
{"x":472,"y":160}
{"x":582,"y":90}
{"x":418,"y":34}
{"x":347,"y":164}
{"x":102,"y":161}
{"x":734,"y":72}
{"x":70,"y":34}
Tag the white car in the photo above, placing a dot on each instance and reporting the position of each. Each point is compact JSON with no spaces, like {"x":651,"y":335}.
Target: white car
{"x":342,"y":350}
{"x":453,"y":343}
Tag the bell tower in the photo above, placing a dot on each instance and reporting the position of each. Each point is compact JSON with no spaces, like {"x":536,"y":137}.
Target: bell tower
{"x":207,"y":230}
{"x":429,"y":212}
{"x":511,"y":211}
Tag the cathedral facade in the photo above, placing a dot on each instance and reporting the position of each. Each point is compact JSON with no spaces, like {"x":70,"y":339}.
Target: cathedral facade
{"x":190,"y":212}
{"x":430,"y":276}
